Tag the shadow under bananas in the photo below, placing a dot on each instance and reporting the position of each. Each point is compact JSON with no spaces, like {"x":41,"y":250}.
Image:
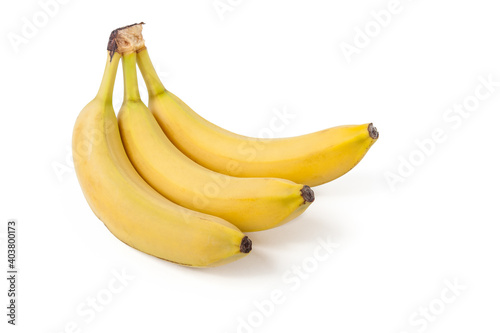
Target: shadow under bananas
{"x":270,"y":247}
{"x":355,"y":184}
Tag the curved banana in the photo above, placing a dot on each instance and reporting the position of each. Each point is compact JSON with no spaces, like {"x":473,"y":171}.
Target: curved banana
{"x":311,"y":159}
{"x":134,"y":212}
{"x":252,"y":204}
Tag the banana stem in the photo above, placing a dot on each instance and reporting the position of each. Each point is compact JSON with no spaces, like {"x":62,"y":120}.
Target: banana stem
{"x":130,"y":77}
{"x":105,"y":92}
{"x":149,"y":74}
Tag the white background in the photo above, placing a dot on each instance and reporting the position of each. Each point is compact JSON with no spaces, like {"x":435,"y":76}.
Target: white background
{"x":397,"y":246}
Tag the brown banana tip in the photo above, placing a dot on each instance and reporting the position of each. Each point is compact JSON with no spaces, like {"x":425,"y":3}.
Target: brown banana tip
{"x":246,"y":245}
{"x":373,"y":131}
{"x":112,"y":44}
{"x":307,"y":193}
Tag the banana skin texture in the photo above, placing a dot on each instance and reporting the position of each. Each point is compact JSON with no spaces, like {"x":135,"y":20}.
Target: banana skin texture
{"x":252,"y":204}
{"x":133,"y":211}
{"x":311,"y":159}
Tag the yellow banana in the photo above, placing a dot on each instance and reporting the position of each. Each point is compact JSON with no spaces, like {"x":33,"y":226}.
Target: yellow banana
{"x":252,"y":204}
{"x":311,"y":159}
{"x":133,"y":211}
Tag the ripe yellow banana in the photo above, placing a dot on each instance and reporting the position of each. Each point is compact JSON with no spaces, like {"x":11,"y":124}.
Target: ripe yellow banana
{"x":133,"y":211}
{"x":252,"y":204}
{"x":311,"y":159}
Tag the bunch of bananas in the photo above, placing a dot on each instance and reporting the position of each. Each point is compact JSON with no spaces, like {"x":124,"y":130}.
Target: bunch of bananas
{"x":171,"y":184}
